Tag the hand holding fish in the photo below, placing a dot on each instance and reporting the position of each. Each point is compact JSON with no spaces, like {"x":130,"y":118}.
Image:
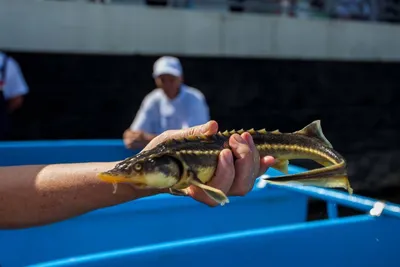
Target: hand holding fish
{"x":233,"y":178}
{"x":198,"y":161}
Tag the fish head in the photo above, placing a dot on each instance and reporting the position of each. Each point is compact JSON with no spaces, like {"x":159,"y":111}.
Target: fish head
{"x":145,"y":172}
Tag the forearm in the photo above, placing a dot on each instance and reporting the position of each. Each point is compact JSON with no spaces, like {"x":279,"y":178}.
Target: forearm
{"x":40,"y":194}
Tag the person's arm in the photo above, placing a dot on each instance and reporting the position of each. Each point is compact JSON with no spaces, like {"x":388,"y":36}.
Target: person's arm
{"x":36,"y":195}
{"x":15,"y":85}
{"x":41,"y":194}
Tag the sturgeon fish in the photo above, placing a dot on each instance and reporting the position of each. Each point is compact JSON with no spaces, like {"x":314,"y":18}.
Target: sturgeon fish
{"x":176,"y":164}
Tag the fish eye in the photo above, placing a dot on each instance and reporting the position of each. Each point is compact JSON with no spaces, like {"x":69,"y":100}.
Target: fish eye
{"x":138,"y":167}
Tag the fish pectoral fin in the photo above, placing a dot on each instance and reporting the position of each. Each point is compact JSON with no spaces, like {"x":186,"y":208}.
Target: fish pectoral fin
{"x":216,"y":194}
{"x":334,"y":176}
{"x":314,"y":129}
{"x":327,"y":182}
{"x":179,"y":192}
{"x":281,"y":165}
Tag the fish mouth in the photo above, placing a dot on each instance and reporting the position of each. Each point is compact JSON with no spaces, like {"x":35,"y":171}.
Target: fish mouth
{"x":114,"y":178}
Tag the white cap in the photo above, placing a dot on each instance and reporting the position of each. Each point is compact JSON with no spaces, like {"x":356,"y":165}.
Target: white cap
{"x":167,"y":65}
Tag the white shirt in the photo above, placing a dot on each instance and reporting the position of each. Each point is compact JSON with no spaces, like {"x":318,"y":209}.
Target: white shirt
{"x":158,"y":113}
{"x":14,"y":82}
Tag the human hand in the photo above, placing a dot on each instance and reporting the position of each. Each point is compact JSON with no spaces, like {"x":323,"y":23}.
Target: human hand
{"x":15,"y":103}
{"x":135,"y":139}
{"x":233,"y":178}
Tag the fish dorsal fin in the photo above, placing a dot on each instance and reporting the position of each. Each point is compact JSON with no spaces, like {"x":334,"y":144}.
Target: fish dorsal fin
{"x":225,"y":133}
{"x":314,"y":130}
{"x":240,"y":131}
{"x":251,"y":131}
{"x":262,"y":131}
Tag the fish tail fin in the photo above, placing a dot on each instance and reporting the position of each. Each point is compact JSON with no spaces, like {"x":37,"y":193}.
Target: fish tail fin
{"x":334,"y":176}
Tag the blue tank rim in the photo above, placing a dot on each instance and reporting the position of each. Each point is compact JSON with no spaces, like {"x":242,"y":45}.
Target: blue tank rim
{"x":63,"y":142}
{"x":205,"y":239}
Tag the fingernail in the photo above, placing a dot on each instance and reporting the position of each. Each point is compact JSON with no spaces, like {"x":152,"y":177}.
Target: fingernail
{"x":269,"y":159}
{"x":249,"y":140}
{"x":239,"y":139}
{"x":228,"y":157}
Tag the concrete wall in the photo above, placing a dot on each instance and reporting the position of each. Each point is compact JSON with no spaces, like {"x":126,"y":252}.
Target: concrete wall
{"x":124,"y":29}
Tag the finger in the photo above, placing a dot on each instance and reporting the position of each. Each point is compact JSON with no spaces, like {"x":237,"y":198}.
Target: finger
{"x":256,"y":155}
{"x":128,"y":142}
{"x":211,"y":127}
{"x":265,"y":163}
{"x":222,"y":180}
{"x":246,"y":165}
{"x":255,"y":164}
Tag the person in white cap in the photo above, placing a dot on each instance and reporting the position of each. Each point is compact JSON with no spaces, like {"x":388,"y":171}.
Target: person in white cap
{"x":172,"y":105}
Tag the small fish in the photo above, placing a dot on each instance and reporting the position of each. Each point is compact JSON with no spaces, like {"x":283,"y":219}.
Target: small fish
{"x":179,"y":163}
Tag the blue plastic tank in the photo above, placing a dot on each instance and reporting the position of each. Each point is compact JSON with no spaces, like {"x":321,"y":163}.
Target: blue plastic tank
{"x":370,"y":239}
{"x":143,"y":222}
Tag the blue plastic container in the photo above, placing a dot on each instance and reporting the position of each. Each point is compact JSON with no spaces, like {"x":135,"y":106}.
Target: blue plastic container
{"x":363,"y":240}
{"x":142,"y":222}
{"x":62,"y":151}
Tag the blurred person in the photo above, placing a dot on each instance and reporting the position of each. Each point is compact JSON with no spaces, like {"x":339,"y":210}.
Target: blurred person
{"x":13,"y":88}
{"x":172,"y":105}
{"x":35,"y":195}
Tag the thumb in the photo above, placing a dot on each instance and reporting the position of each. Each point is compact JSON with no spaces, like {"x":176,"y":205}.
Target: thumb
{"x":209,"y":128}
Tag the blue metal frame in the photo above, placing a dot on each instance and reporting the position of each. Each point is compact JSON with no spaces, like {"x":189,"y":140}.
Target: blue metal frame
{"x":334,"y":197}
